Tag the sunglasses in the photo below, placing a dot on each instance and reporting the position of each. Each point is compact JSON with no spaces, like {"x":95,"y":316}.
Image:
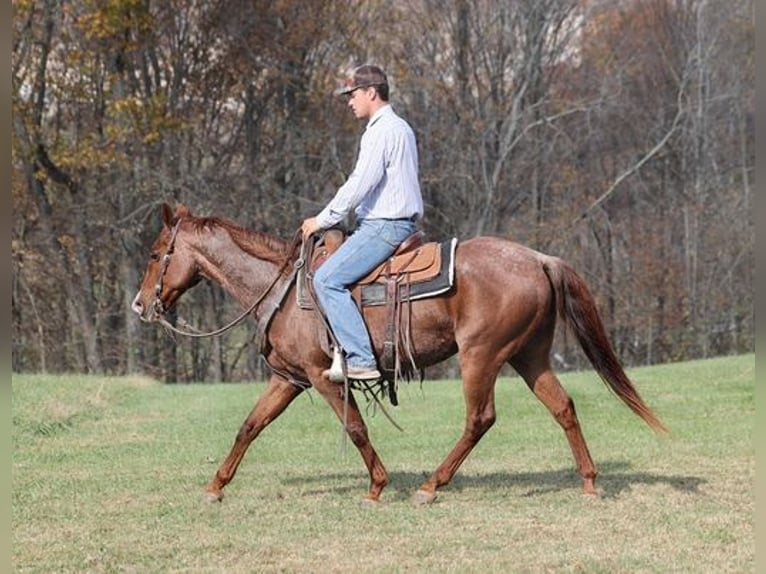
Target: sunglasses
{"x":350,"y":95}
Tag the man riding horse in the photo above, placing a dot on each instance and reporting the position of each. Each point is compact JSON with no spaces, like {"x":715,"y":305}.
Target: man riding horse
{"x":384,"y":192}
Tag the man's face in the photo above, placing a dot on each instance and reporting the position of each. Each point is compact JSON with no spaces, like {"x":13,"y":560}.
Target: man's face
{"x":360,"y":101}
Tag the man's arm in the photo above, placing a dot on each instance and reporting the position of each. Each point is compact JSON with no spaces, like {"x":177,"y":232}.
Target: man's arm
{"x":367,"y":174}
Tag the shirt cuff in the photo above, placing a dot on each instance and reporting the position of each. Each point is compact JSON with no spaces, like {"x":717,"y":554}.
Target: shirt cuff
{"x":327,"y":218}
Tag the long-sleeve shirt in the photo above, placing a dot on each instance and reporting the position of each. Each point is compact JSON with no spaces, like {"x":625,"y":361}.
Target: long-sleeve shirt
{"x":384,"y":183}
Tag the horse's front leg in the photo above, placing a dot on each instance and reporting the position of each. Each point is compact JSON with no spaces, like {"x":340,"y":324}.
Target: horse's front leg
{"x":348,"y":413}
{"x":278,"y":394}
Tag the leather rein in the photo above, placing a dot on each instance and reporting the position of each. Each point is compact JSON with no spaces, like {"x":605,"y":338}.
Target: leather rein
{"x":159,"y":306}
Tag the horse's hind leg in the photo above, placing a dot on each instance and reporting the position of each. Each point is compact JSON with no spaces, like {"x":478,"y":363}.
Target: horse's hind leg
{"x":479,"y":373}
{"x":277,"y":396}
{"x":546,"y":386}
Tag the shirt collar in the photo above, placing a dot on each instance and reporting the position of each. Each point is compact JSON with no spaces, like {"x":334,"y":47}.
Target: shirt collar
{"x":377,"y":115}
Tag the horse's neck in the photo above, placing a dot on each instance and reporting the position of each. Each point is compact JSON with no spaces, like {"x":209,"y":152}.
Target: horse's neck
{"x":241,"y":274}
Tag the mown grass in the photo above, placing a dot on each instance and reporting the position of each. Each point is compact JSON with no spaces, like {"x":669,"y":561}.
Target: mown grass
{"x":108,"y":476}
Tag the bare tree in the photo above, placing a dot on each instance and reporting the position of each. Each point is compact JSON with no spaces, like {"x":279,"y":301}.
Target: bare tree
{"x":618,"y":135}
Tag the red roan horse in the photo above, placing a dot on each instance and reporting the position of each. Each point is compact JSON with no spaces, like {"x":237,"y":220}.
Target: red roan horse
{"x":502,"y":309}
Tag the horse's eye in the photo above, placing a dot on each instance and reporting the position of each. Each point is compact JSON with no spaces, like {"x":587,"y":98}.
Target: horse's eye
{"x":155,"y":256}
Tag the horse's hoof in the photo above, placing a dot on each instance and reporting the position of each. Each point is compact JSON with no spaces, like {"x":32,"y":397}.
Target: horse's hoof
{"x":423,"y":497}
{"x":368,"y":502}
{"x":213,"y":497}
{"x":589,"y":489}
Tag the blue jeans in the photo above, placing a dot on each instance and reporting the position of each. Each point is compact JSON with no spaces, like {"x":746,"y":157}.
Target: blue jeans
{"x":374,"y":241}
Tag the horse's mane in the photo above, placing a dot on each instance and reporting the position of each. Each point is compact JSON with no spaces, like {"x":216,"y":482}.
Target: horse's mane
{"x":256,"y":243}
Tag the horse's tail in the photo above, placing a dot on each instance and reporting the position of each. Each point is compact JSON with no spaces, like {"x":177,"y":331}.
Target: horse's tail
{"x":576,"y":306}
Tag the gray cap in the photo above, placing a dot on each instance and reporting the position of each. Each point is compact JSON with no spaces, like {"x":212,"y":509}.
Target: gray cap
{"x":363,"y":77}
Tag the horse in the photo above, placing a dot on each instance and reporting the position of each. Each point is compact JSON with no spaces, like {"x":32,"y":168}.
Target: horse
{"x":502,"y":309}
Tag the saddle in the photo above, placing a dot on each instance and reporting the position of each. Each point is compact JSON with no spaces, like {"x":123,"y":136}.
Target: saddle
{"x":416,"y":270}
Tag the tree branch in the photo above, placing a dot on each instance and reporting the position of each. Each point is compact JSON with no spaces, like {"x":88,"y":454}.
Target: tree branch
{"x":635,"y":167}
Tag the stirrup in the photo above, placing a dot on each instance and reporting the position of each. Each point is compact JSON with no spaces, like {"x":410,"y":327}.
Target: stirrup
{"x":335,"y":372}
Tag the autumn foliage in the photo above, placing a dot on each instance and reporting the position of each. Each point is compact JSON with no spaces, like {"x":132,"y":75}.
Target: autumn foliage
{"x":617,"y":135}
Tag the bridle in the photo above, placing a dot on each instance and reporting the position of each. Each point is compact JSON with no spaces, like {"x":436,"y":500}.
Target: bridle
{"x":159,"y":307}
{"x":157,"y":304}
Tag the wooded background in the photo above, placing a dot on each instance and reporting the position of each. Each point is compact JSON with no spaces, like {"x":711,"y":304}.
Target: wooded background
{"x":616,"y":135}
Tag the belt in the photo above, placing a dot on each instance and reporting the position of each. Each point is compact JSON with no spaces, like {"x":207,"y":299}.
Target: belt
{"x":411,"y":218}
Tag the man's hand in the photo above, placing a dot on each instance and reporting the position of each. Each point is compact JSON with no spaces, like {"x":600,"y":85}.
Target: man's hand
{"x":309,"y":227}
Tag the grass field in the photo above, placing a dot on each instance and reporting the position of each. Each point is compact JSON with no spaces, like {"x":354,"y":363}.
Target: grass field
{"x":108,"y":476}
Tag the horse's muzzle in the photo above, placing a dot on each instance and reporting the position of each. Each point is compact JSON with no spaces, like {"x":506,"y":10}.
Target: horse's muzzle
{"x":147,"y":313}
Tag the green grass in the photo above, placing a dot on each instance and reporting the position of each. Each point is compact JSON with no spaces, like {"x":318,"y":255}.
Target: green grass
{"x":109,"y":474}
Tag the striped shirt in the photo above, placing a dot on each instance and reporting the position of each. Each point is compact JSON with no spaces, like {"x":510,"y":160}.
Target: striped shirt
{"x":384,"y":183}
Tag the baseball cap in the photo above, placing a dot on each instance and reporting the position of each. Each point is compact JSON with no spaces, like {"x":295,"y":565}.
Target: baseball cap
{"x":363,"y":77}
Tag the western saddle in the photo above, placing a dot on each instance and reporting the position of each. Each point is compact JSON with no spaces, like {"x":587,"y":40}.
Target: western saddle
{"x":414,"y":261}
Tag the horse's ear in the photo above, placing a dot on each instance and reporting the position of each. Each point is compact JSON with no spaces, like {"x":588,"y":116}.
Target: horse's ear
{"x":167,"y":215}
{"x":182,"y":211}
